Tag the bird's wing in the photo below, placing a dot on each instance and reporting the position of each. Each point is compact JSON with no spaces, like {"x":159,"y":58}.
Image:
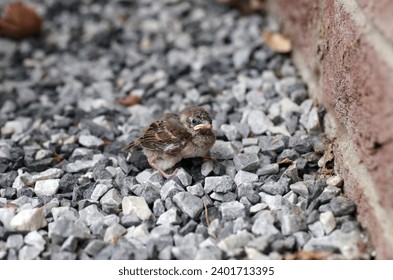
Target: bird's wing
{"x":166,"y":135}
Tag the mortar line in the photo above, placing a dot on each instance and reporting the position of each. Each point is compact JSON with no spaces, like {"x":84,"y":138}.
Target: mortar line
{"x":373,"y":34}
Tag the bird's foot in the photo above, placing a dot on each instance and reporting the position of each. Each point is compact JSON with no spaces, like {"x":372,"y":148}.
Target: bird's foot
{"x":166,"y":175}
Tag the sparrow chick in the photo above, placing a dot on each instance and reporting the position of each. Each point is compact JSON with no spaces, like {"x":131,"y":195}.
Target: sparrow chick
{"x":174,"y":137}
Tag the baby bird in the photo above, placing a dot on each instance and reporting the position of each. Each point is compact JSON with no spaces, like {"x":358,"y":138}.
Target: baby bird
{"x":174,"y":137}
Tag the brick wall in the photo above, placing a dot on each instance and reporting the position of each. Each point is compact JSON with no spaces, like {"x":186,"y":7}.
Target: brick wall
{"x":344,"y":50}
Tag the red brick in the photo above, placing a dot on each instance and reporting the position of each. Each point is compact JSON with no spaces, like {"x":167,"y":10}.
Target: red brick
{"x":381,"y":14}
{"x":355,"y":84}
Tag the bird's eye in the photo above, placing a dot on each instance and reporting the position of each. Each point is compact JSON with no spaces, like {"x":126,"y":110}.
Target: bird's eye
{"x":194,"y":121}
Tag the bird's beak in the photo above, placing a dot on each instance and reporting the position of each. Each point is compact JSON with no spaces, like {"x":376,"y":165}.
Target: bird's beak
{"x":203,"y":126}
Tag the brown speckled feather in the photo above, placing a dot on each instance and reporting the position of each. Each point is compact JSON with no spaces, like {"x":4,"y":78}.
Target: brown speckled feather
{"x":163,"y":137}
{"x":174,"y":137}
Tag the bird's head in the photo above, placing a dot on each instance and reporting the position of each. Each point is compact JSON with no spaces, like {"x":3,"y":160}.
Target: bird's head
{"x":197,"y":120}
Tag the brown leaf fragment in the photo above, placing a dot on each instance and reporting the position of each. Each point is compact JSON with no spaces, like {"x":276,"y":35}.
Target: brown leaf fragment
{"x":246,"y":7}
{"x":19,"y":22}
{"x":277,"y":42}
{"x":308,"y":255}
{"x":58,"y":158}
{"x":327,"y":157}
{"x":106,"y":142}
{"x":285,"y":161}
{"x":130,"y":100}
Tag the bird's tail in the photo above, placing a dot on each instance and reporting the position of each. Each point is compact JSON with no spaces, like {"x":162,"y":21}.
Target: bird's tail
{"x":129,"y":146}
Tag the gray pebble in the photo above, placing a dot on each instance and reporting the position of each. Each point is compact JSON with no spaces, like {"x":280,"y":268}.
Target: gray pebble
{"x":188,"y":204}
{"x":264,"y":224}
{"x":129,"y":221}
{"x":211,"y":253}
{"x":241,"y":57}
{"x":340,"y":206}
{"x":345,"y":243}
{"x":99,"y":191}
{"x":233,"y":245}
{"x":184,"y":177}
{"x":258,"y":207}
{"x":274,"y":202}
{"x":313,"y":125}
{"x":196,"y":190}
{"x":112,"y":197}
{"x":90,"y":141}
{"x":271,"y":143}
{"x":222,"y":184}
{"x":207,"y":167}
{"x":144,"y":176}
{"x":301,"y":238}
{"x":169,"y":217}
{"x":334,"y":181}
{"x":51,"y":173}
{"x":91,"y":214}
{"x":231,"y":132}
{"x":250,"y":141}
{"x":300,"y":188}
{"x":149,"y":191}
{"x":29,"y":253}
{"x":46,"y":187}
{"x":292,"y":223}
{"x":244,"y":177}
{"x":222,"y":150}
{"x":65,"y":212}
{"x":328,"y":193}
{"x":63,"y":255}
{"x":316,"y":229}
{"x":239,"y":91}
{"x":328,"y":222}
{"x":94,"y":247}
{"x":232,"y":210}
{"x":28,"y":220}
{"x":113,"y":233}
{"x":258,"y":122}
{"x":273,"y":188}
{"x":158,"y":208}
{"x":169,"y":189}
{"x":63,"y":228}
{"x":224,"y":197}
{"x":81,"y":165}
{"x":136,"y":205}
{"x":35,"y":239}
{"x":70,"y":244}
{"x":268,"y":169}
{"x":255,"y":97}
{"x":14,"y":241}
{"x":246,"y":162}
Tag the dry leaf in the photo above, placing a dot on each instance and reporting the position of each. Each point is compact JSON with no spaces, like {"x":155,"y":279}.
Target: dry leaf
{"x":20,"y":21}
{"x":308,"y":255}
{"x":285,"y":161}
{"x":327,"y":157}
{"x":106,"y":142}
{"x":246,"y":7}
{"x":130,"y":100}
{"x":277,"y":42}
{"x":58,"y":158}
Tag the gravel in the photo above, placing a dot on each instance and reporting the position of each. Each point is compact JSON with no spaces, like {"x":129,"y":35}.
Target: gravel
{"x":67,"y":191}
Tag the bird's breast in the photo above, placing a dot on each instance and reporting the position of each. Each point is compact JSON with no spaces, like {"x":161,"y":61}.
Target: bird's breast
{"x":191,"y":151}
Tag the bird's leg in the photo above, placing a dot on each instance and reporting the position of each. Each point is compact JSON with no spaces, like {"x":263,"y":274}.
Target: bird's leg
{"x":152,"y":162}
{"x":207,"y":157}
